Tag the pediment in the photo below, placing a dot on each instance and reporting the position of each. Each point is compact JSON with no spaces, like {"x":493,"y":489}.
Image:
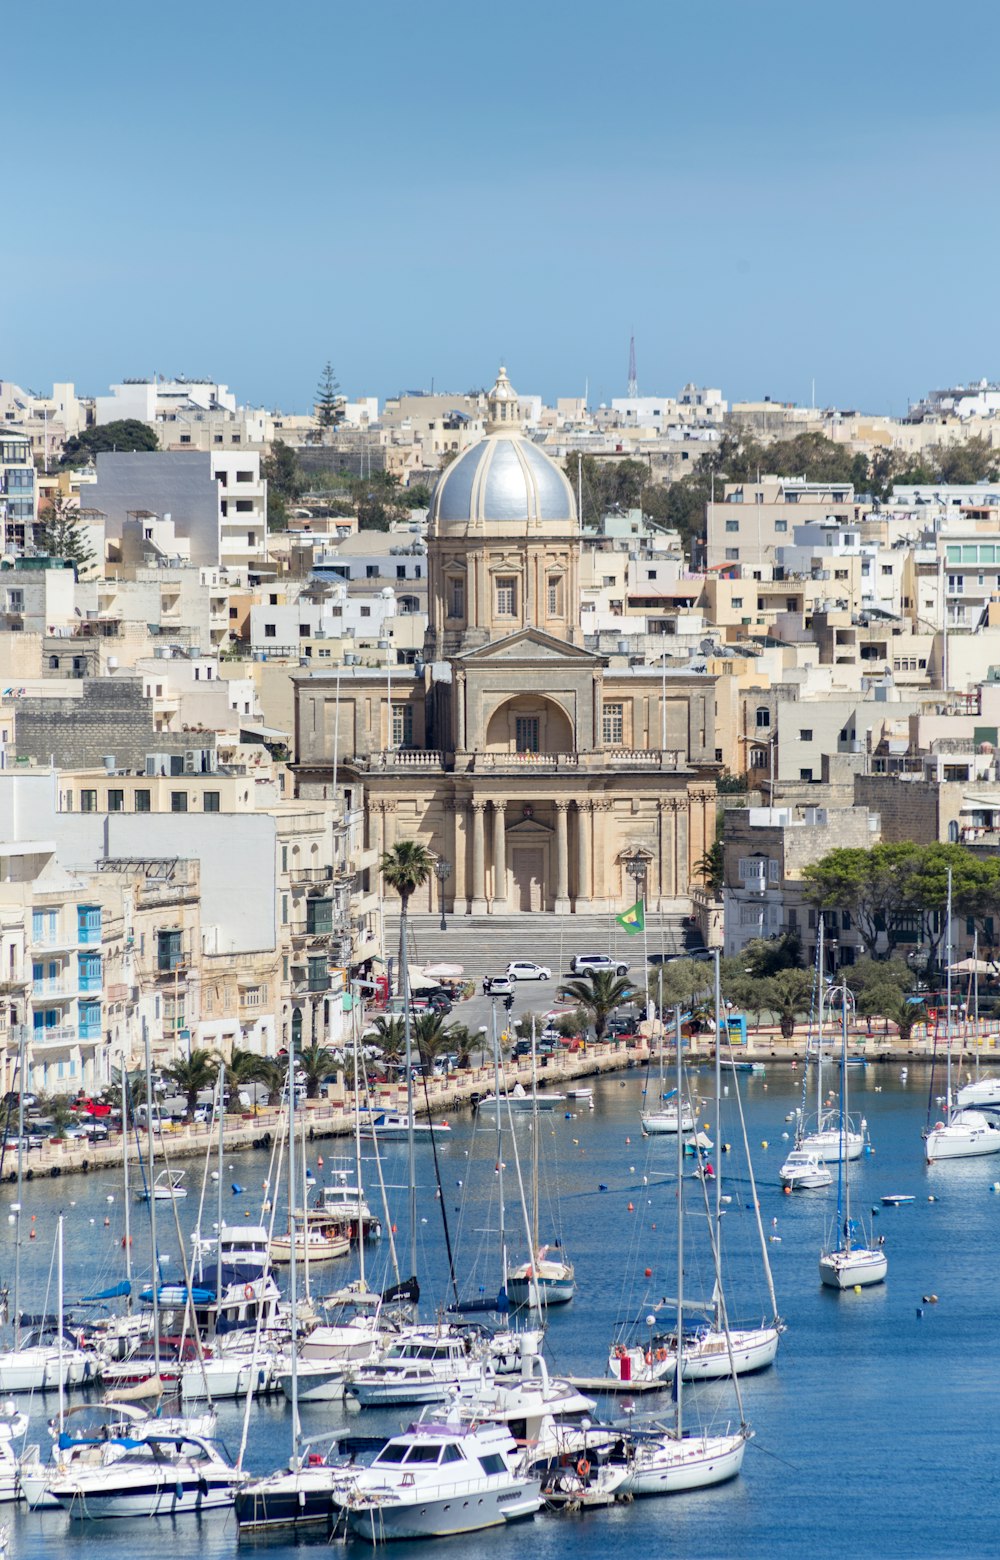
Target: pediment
{"x":528,"y":644}
{"x":528,"y":827}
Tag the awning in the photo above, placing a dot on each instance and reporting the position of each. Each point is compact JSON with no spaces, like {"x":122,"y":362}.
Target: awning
{"x":269,"y":733}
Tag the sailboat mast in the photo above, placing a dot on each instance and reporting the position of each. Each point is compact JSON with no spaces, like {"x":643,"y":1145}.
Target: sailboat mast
{"x":411,"y":1162}
{"x":125,"y":1189}
{"x":947,"y":976}
{"x":152,"y":1198}
{"x":221,"y":1164}
{"x":534,"y":1152}
{"x":819,"y":1021}
{"x":499,"y":1115}
{"x":718,"y":1096}
{"x":59,"y":1308}
{"x":292,"y":1270}
{"x":679,"y":1353}
{"x":20,"y":1185}
{"x":844,"y":1117}
{"x":355,"y":1026}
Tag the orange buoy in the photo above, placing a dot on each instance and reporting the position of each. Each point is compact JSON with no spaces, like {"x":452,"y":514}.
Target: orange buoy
{"x":788,"y":1191}
{"x":631,"y":1208}
{"x":319,"y":1162}
{"x":649,"y":1272}
{"x":32,"y":1235}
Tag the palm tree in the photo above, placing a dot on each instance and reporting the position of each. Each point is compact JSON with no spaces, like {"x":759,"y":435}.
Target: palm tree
{"x":461,"y":1040}
{"x":711,"y":869}
{"x":789,"y":994}
{"x":248,"y":1067}
{"x":316,"y":1062}
{"x":431,"y":1037}
{"x":598,"y":996}
{"x":198,"y":1072}
{"x":405,"y":868}
{"x":391,"y":1033}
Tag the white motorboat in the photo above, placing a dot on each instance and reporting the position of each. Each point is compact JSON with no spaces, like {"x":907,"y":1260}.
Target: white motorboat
{"x":393,"y":1126}
{"x":438,"y":1478}
{"x":294,"y":1497}
{"x":95,"y":1435}
{"x":803,"y":1171}
{"x":229,"y":1374}
{"x":581,"y":1096}
{"x":160,"y":1475}
{"x":966,"y":1134}
{"x":547,"y":1416}
{"x":585,"y":1485}
{"x":316,"y":1237}
{"x":668,"y":1464}
{"x":344,"y":1201}
{"x":168,"y":1187}
{"x":523,"y":1100}
{"x":423,"y":1367}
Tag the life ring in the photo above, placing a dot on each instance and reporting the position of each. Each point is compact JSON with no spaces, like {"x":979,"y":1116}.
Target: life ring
{"x":583,"y":1468}
{"x":649,"y":1356}
{"x":661,"y":1354}
{"x":248,"y":1291}
{"x":939,"y":1126}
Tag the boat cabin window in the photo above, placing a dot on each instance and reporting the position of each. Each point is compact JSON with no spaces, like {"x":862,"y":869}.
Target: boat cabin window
{"x":422,"y":1453}
{"x":493,"y":1463}
{"x":452,"y":1453}
{"x":392,"y":1453}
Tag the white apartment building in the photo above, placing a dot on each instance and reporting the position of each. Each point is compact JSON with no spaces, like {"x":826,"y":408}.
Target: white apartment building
{"x":216,"y":500}
{"x":753,"y":519}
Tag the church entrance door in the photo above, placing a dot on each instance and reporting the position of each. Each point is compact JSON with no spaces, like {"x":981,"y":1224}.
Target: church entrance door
{"x":529,"y":878}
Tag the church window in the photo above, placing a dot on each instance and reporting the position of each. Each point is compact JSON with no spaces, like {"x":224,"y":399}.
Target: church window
{"x":456,"y":598}
{"x":506,"y":596}
{"x":402,"y":725}
{"x":614,"y":724}
{"x":526,"y":733}
{"x":555,"y":606}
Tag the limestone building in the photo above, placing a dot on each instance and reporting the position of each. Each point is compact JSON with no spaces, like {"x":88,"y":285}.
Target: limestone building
{"x":541,"y":772}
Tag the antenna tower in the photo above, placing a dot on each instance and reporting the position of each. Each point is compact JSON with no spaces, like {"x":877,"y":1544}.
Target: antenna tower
{"x":633,"y":383}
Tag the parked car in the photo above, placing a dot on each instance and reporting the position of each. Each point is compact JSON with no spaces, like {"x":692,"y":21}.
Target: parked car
{"x":524,"y":969}
{"x":498,"y":986}
{"x":597,"y":964}
{"x":432,"y":1001}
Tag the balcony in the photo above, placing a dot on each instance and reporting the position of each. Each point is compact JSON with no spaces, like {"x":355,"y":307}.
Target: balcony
{"x":55,"y":942}
{"x":55,"y":990}
{"x":310,"y":874}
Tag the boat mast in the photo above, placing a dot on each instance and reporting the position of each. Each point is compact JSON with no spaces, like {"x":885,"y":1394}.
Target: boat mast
{"x":717,"y":996}
{"x":20,"y":1184}
{"x":355,"y":1026}
{"x":534,"y":1154}
{"x":125,"y":1188}
{"x":59,"y":1309}
{"x":947,"y":961}
{"x":411,"y":1161}
{"x":819,"y":1022}
{"x":499,"y":1115}
{"x":292,"y":1294}
{"x":679,"y":1353}
{"x":152,"y":1198}
{"x":844,"y":1118}
{"x":218,"y":1243}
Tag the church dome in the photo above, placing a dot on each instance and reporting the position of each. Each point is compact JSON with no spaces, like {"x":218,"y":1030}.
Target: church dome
{"x":503,"y":477}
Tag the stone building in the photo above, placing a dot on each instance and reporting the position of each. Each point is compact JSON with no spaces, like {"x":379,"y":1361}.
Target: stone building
{"x":540,"y":771}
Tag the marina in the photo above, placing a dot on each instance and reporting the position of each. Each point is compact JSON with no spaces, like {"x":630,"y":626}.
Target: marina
{"x":933,"y":1244}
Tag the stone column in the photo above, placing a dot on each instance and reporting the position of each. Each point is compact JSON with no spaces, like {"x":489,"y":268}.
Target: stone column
{"x":460,"y":708}
{"x":583,"y":883}
{"x":478,"y":858}
{"x":499,"y":859}
{"x":603,"y":808}
{"x":460,"y":887}
{"x":562,"y":860}
{"x":662,"y":850}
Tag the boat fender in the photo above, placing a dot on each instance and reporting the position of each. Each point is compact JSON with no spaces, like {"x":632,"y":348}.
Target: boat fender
{"x":55,"y":1172}
{"x":583,"y":1468}
{"x":929,"y":1299}
{"x":266,"y":1140}
{"x":939,"y":1126}
{"x":179,"y":1490}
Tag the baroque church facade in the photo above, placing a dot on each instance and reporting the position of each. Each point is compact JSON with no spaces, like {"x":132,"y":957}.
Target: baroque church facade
{"x":548,"y":778}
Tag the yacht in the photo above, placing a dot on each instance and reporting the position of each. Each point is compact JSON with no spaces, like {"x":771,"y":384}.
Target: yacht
{"x":831,"y":1142}
{"x":168,"y":1187}
{"x":36,"y":1366}
{"x":548,"y":1417}
{"x":393,"y":1126}
{"x":13,"y":1427}
{"x":95,"y":1435}
{"x":422,"y":1367}
{"x":666,"y":1464}
{"x":966,"y":1134}
{"x":439,"y":1478}
{"x":545,"y":1281}
{"x":668,"y":1119}
{"x":294,"y":1497}
{"x":160,"y":1475}
{"x":344,"y":1201}
{"x":353,"y":1335}
{"x":854,"y":1267}
{"x":709,"y":1355}
{"x":983,"y":1094}
{"x":520,"y":1098}
{"x":805,"y":1171}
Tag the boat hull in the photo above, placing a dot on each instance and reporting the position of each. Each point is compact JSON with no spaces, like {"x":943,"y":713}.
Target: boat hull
{"x":853,"y":1269}
{"x":694,"y":1463}
{"x":827,"y":1146}
{"x":317,"y":1383}
{"x":169,"y":1497}
{"x":461,"y":1512}
{"x":540,"y":1289}
{"x":959,"y":1140}
{"x":291,"y":1500}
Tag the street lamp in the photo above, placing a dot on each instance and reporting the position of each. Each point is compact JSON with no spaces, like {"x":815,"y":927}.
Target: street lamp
{"x":442,"y":871}
{"x":635,"y":866}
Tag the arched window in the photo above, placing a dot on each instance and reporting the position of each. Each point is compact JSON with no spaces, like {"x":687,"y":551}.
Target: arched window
{"x":763,"y":717}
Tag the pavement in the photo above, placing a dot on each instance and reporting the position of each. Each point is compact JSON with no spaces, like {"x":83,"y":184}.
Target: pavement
{"x":486,"y":945}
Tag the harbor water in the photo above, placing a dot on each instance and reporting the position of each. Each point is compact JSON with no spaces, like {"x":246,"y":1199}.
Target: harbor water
{"x":874,"y":1434}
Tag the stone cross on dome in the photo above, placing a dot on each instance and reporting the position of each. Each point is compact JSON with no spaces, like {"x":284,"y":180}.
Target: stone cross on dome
{"x":504,"y":410}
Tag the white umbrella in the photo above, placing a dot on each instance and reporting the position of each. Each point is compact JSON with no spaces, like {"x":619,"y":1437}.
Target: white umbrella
{"x":973,"y":967}
{"x":419,"y":981}
{"x":445,"y":971}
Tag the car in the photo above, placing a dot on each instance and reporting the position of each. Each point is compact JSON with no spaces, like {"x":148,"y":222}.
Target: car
{"x":597,"y":964}
{"x":498,"y":986}
{"x":524,"y":969}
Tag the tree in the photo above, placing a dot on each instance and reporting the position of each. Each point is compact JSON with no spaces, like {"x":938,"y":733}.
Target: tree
{"x":286,"y":482}
{"x":248,"y":1067}
{"x":391,"y":1037}
{"x":927,"y":886}
{"x":60,"y":533}
{"x":198,"y":1071}
{"x":685,"y":983}
{"x":430,"y":1035}
{"x":461,"y":1040}
{"x":598,"y":997}
{"x":128,"y":434}
{"x":973,"y":461}
{"x":711,"y":869}
{"x":329,"y":401}
{"x":872,"y":884}
{"x":315,"y":1062}
{"x":405,"y":868}
{"x":788,"y":994}
{"x":417,"y":496}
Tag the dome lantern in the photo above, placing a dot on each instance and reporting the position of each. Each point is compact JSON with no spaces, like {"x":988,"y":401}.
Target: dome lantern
{"x":503,"y":408}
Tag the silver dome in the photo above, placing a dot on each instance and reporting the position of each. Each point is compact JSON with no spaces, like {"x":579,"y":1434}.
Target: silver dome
{"x":503,"y":477}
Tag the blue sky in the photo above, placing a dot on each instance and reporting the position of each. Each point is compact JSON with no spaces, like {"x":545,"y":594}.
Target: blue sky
{"x":765,"y":194}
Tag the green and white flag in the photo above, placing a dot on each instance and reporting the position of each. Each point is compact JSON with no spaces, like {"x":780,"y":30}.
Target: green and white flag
{"x":633,"y":920}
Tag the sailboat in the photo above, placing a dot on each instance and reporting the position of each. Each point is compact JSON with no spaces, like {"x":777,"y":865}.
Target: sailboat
{"x":834,"y":1137}
{"x":677,"y":1458}
{"x":806,"y":1168}
{"x":849,"y":1264}
{"x":546,"y":1278}
{"x":965,"y":1132}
